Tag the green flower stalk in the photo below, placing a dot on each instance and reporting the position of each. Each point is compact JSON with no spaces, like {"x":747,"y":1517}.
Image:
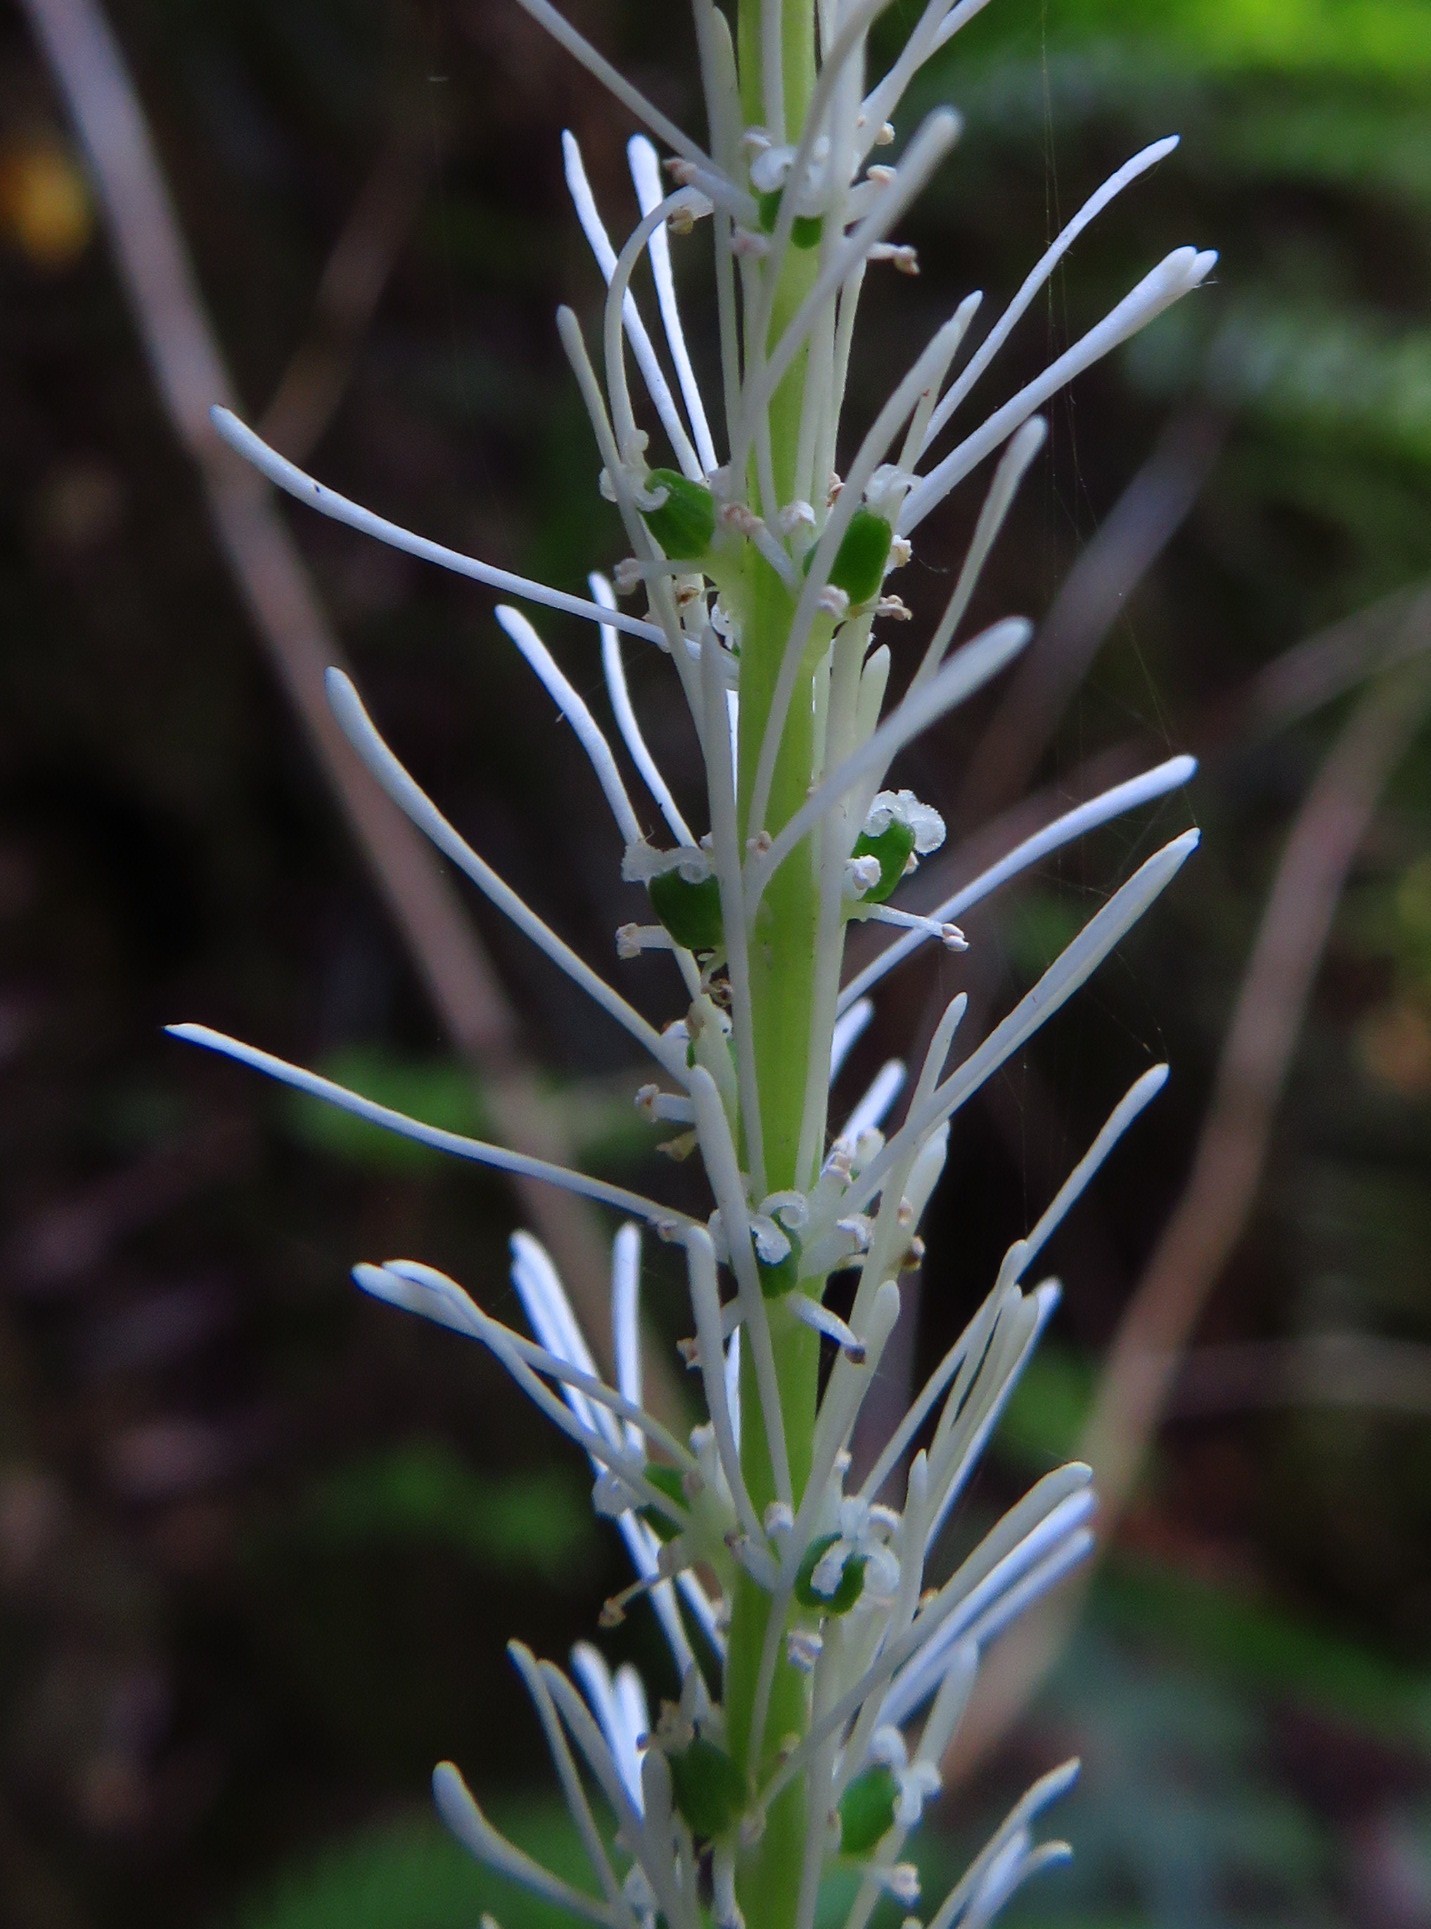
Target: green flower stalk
{"x":815,"y":1681}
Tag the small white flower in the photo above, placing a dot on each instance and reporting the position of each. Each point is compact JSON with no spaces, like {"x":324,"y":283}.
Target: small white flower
{"x":772,"y":1242}
{"x":861,"y":875}
{"x":862,"y":1532}
{"x":903,"y":807}
{"x":803,"y":1648}
{"x":642,"y":862}
{"x":918,"y":1782}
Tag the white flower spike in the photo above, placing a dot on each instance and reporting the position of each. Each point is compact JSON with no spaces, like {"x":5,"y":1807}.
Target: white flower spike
{"x":815,"y":1676}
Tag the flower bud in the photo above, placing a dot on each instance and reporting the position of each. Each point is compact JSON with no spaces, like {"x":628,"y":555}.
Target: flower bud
{"x":867,"y":1811}
{"x":860,"y":560}
{"x":848,"y":1588}
{"x":707,"y":1788}
{"x":689,"y":910}
{"x":685,"y":522}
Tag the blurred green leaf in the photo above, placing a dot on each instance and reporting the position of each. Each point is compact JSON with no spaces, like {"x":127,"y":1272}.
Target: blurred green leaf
{"x":600,"y":1116}
{"x":1349,"y":37}
{"x":1266,"y":1647}
{"x":411,"y":1874}
{"x":1323,"y":372}
{"x":518,"y":1523}
{"x":1046,"y":1412}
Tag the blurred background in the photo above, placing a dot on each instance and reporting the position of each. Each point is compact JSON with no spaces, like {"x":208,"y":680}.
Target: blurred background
{"x":261,"y":1544}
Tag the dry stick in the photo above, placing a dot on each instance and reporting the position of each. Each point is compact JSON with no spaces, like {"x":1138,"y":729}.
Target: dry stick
{"x":275,"y":587}
{"x":1134,"y":534}
{"x":1359,"y":1370}
{"x":352,"y":284}
{"x":1217,"y":1201}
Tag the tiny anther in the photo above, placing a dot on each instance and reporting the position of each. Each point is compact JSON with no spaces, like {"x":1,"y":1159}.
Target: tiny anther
{"x":803,"y":1648}
{"x":743,"y":520}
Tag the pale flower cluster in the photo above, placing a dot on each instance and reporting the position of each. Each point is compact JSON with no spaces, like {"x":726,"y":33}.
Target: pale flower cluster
{"x":759,"y":495}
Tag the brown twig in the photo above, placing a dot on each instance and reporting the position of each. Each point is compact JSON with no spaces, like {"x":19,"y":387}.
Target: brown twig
{"x":89,"y":67}
{"x":1360,"y":1370}
{"x":1217,"y":1201}
{"x":1134,"y":534}
{"x":349,"y":290}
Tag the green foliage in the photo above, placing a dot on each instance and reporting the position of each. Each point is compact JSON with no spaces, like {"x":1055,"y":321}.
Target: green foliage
{"x":1251,"y":1643}
{"x":411,"y":1874}
{"x":1047,"y":1409}
{"x":447,"y":1094}
{"x":534,"y":1523}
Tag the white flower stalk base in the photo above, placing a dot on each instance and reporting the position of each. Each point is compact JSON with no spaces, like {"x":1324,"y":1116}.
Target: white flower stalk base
{"x":815,"y":1680}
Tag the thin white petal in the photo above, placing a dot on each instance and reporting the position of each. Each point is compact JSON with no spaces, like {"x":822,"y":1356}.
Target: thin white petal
{"x":569,"y":1776}
{"x":496,"y":1156}
{"x":1071,"y":969}
{"x":1073,"y":823}
{"x":1140,"y":1094}
{"x":1012,"y":468}
{"x":626,"y":1312}
{"x":574,"y":709}
{"x":1039,"y":275}
{"x":1175,"y":276}
{"x":723,"y":1171}
{"x":849,"y":1026}
{"x":409,"y":796}
{"x":705,"y":1304}
{"x":615,"y":83}
{"x":869,"y":1114}
{"x":645,"y":173}
{"x":619,"y":691}
{"x":642,"y":347}
{"x":458,"y":1809}
{"x":287,"y":476}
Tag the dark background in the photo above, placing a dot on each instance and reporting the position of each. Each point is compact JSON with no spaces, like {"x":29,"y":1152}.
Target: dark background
{"x":260,"y":1543}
